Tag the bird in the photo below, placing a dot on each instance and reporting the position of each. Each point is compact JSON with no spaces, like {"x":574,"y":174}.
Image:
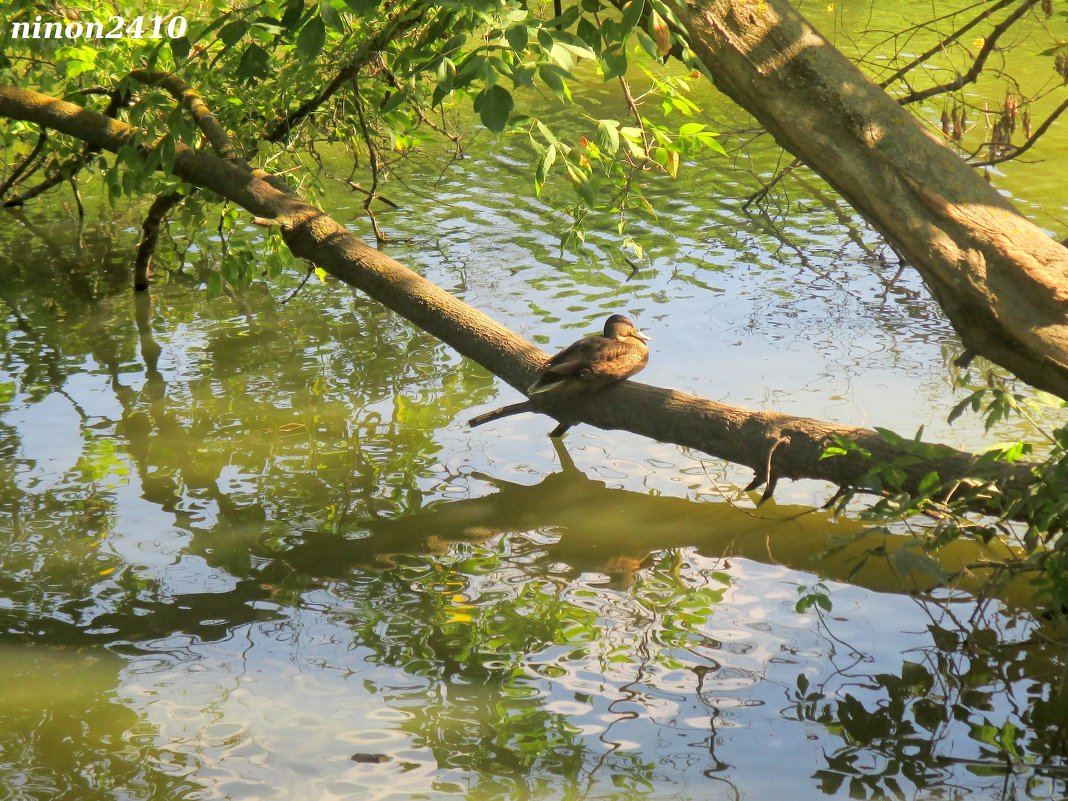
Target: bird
{"x":588,"y":365}
{"x":594,"y":362}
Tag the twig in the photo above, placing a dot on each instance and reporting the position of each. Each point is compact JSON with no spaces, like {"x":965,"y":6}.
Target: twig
{"x":78,"y":200}
{"x":394,"y":27}
{"x":300,"y":286}
{"x":70,"y":167}
{"x":26,"y":162}
{"x":945,"y":42}
{"x":1041,"y":129}
{"x":503,"y":411}
{"x":633,"y":106}
{"x":980,"y":60}
{"x":763,"y":192}
{"x":372,"y":155}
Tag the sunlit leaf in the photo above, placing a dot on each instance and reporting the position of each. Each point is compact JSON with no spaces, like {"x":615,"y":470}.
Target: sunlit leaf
{"x":493,"y":106}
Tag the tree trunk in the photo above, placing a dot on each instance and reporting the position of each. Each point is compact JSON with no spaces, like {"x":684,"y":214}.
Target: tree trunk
{"x":774,"y":445}
{"x":1002,"y":282}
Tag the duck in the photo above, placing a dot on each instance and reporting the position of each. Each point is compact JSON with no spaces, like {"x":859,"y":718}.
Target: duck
{"x":597,"y":361}
{"x":590,"y":364}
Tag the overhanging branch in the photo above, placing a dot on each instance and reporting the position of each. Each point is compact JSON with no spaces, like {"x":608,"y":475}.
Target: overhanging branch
{"x":774,"y":445}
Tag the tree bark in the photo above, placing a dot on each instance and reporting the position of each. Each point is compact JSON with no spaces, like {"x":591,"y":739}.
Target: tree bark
{"x":774,"y":445}
{"x":1002,"y":282}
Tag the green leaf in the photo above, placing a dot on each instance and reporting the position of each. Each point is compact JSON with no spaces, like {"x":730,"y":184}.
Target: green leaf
{"x":232,"y":33}
{"x":493,"y":106}
{"x":312,"y":37}
{"x":632,"y":13}
{"x":589,"y":33}
{"x":581,"y":182}
{"x":545,"y":163}
{"x":446,"y":74}
{"x":614,"y":61}
{"x":292,"y":16}
{"x":180,"y":49}
{"x":331,"y":17}
{"x":546,"y":132}
{"x":76,"y":68}
{"x":393,"y":101}
{"x":517,"y":37}
{"x":167,"y":152}
{"x":608,"y":135}
{"x":362,"y":7}
{"x":215,"y":286}
{"x":554,"y":78}
{"x":891,"y":437}
{"x":648,"y":45}
{"x":576,"y":47}
{"x":255,"y":63}
{"x":929,"y":484}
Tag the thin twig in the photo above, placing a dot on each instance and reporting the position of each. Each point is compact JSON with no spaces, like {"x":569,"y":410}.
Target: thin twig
{"x":300,"y":286}
{"x":1039,"y":131}
{"x":980,"y":60}
{"x":944,"y":43}
{"x":26,"y":162}
{"x":372,"y":155}
{"x":395,"y":27}
{"x":763,"y":192}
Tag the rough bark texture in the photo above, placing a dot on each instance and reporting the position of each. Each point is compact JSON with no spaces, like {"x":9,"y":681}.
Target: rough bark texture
{"x":793,"y":446}
{"x":1002,"y":282}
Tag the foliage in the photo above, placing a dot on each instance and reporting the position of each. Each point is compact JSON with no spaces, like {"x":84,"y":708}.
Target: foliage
{"x":315,"y":85}
{"x":1032,"y":518}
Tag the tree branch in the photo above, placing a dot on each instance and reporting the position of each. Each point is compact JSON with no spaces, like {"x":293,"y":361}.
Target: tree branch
{"x":192,"y":102}
{"x":395,"y":27}
{"x":737,"y":435}
{"x":24,"y":164}
{"x":944,"y":43}
{"x":980,"y":60}
{"x":1018,"y":151}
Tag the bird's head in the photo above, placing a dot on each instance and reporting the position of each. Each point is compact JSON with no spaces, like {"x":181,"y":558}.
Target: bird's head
{"x":619,"y":327}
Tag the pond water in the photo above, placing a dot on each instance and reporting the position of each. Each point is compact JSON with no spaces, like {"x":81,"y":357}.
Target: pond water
{"x":245,"y":541}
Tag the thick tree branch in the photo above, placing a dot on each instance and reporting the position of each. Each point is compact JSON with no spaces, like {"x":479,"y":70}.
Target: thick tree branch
{"x":69,"y":168}
{"x":194,"y":104}
{"x":737,"y":435}
{"x":1000,"y":279}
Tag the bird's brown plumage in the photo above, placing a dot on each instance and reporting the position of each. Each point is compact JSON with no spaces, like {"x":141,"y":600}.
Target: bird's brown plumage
{"x":595,"y":361}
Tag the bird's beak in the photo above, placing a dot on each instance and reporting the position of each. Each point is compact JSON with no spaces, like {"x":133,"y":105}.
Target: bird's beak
{"x":642,"y":336}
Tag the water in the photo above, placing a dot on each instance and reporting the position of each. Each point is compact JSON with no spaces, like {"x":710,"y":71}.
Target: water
{"x":245,"y":541}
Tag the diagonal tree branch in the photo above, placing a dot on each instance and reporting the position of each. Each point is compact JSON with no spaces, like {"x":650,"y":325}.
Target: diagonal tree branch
{"x":774,"y":445}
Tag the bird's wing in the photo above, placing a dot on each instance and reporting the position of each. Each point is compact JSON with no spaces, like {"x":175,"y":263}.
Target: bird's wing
{"x":594,"y":353}
{"x":575,"y":352}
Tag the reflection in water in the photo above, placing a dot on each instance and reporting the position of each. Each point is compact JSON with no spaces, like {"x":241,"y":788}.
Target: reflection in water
{"x":242,"y":541}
